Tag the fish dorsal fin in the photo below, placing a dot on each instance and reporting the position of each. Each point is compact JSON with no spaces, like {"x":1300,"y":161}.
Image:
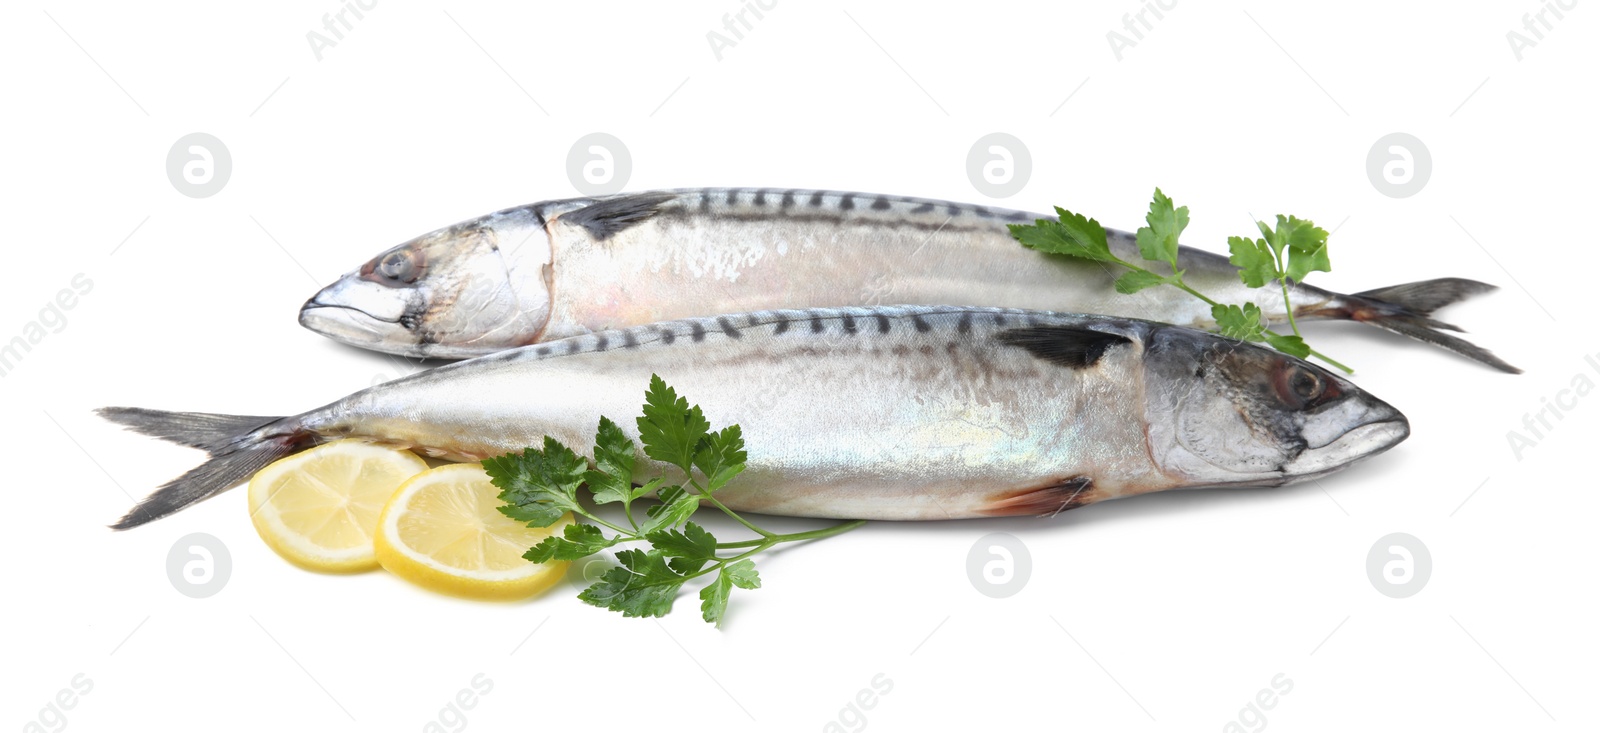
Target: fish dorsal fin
{"x":1068,"y":346}
{"x":605,"y":218}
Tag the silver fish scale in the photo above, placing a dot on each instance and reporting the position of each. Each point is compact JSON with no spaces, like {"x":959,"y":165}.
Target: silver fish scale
{"x":865,"y":321}
{"x":703,"y":251}
{"x":891,"y":210}
{"x":889,"y":412}
{"x":920,"y":392}
{"x":563,"y":268}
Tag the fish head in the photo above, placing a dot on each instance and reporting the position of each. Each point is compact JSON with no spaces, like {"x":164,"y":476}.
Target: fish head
{"x":1227,"y":413}
{"x":458,"y":292}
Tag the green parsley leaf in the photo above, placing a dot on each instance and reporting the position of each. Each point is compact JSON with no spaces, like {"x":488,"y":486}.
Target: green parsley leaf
{"x":1073,"y":235}
{"x":714,"y":597}
{"x":1234,"y":322}
{"x":642,"y":586}
{"x":1254,"y":260}
{"x":1133,"y":281}
{"x":1307,"y":245}
{"x":676,"y":508}
{"x":1158,"y":242}
{"x":670,"y":429}
{"x":666,"y":496}
{"x":690,"y":549}
{"x":611,"y":480}
{"x":743,"y":574}
{"x":1308,"y":248}
{"x":648,"y":487}
{"x":720,"y":457}
{"x":1300,"y":233}
{"x":1288,"y":344}
{"x":540,"y":485}
{"x":1285,"y":253}
{"x":577,"y":541}
{"x":1274,"y":239}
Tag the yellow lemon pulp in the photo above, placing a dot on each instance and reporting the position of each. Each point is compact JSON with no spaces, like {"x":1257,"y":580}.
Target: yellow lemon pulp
{"x":319,"y":509}
{"x":443,"y":531}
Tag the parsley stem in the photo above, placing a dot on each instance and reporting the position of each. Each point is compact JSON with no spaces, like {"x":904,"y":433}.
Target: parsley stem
{"x":1283,"y":282}
{"x":736,"y":517}
{"x":815,"y":534}
{"x":1324,"y":357}
{"x":1288,"y":306}
{"x":722,"y":562}
{"x":766,"y":543}
{"x":1176,"y":281}
{"x":614,"y":528}
{"x":1288,"y":311}
{"x":1180,"y":284}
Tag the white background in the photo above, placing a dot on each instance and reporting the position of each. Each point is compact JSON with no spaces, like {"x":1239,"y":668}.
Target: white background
{"x":1166,"y":612}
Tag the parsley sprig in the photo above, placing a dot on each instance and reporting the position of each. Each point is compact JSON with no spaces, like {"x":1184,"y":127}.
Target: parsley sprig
{"x":1285,"y":253}
{"x":540,"y":485}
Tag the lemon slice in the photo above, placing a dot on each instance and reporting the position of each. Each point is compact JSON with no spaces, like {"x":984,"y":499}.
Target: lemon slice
{"x":442,"y":530}
{"x":319,"y":508}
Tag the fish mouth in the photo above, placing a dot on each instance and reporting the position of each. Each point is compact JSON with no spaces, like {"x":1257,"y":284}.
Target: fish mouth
{"x":1358,"y":443}
{"x":348,"y":324}
{"x":358,"y":312}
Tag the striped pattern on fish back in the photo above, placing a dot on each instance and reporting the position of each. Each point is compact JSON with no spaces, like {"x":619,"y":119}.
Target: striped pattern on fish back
{"x":841,"y":204}
{"x":833,"y":324}
{"x":824,"y":208}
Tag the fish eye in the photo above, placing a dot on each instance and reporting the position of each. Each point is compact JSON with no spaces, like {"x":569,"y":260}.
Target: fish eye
{"x":1305,"y":384}
{"x":399,"y":266}
{"x":1299,"y":387}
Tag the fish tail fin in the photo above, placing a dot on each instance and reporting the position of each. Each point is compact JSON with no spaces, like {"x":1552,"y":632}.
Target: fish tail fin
{"x":1423,"y":297}
{"x":1407,"y":309}
{"x":239,"y":445}
{"x":1422,"y":329}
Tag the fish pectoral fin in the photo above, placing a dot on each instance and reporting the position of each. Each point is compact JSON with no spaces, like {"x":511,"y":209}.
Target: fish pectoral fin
{"x":603,"y":219}
{"x":1068,"y":346}
{"x":1043,"y":501}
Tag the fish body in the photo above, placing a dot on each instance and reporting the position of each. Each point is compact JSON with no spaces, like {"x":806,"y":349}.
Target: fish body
{"x":889,"y":412}
{"x":564,"y":268}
